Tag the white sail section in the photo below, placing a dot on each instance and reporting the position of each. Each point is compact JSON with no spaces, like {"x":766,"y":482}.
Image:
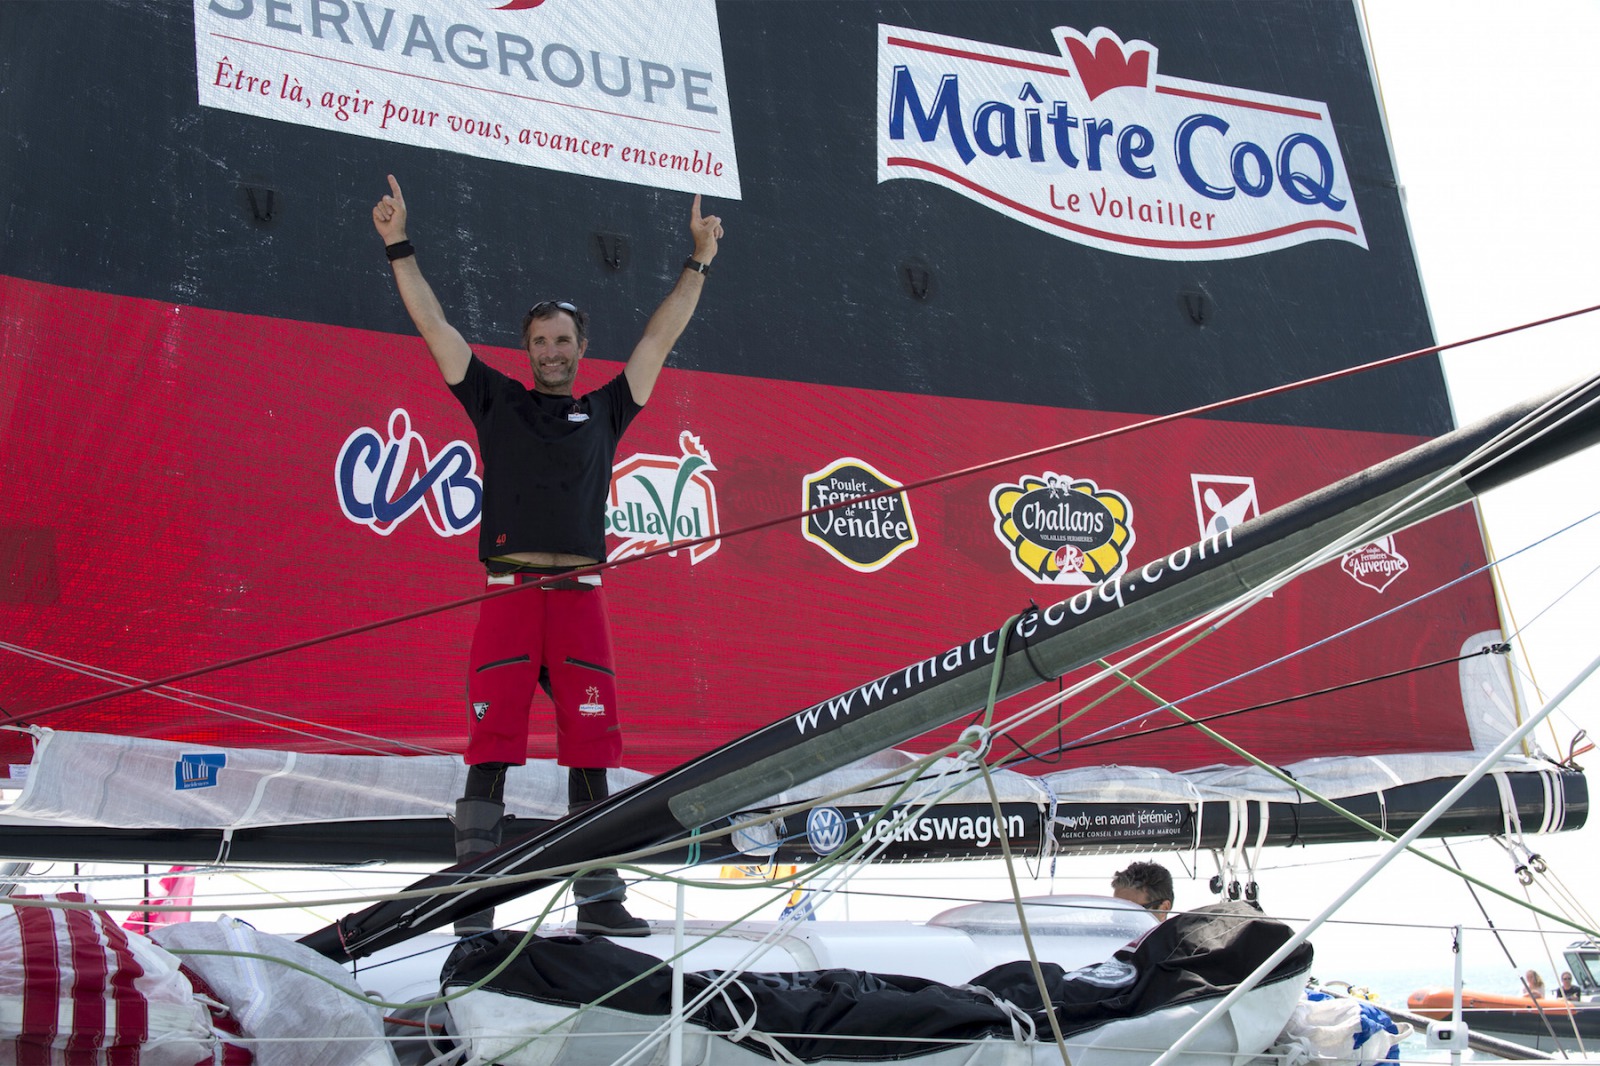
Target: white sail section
{"x":94,"y":779}
{"x":90,"y":779}
{"x":1489,"y":694}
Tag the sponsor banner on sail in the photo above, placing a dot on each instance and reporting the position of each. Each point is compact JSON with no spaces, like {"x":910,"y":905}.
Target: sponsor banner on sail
{"x":1093,"y":145}
{"x":1062,"y":530}
{"x":626,"y":90}
{"x":383,"y":480}
{"x":657,"y":500}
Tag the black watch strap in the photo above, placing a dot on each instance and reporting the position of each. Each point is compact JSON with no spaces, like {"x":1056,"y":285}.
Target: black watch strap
{"x":695,"y":265}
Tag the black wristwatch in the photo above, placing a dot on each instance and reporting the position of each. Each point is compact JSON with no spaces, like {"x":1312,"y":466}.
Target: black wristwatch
{"x":695,"y":265}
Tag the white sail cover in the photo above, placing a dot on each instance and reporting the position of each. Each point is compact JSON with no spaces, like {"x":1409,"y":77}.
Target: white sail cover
{"x":89,"y":779}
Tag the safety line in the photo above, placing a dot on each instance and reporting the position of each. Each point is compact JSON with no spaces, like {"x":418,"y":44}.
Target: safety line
{"x":1202,"y":409}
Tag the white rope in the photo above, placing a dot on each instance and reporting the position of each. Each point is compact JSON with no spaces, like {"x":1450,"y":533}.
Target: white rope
{"x":375,"y":744}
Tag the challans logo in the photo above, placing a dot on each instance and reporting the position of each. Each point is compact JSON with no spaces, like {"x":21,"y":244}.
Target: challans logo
{"x":1061,"y":531}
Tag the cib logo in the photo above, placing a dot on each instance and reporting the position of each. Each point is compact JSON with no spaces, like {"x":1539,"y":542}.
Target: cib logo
{"x":1063,"y":531}
{"x":826,"y":829}
{"x":658,"y":500}
{"x":864,"y":536}
{"x":383,"y":480}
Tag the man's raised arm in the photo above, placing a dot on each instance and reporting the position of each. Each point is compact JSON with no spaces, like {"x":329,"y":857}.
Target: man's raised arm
{"x":449,"y":348}
{"x":667,"y":324}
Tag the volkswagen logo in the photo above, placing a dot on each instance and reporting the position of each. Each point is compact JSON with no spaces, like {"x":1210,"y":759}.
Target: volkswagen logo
{"x":826,"y":829}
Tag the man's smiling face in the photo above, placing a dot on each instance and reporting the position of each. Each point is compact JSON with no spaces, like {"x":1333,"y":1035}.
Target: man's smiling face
{"x":553,"y":352}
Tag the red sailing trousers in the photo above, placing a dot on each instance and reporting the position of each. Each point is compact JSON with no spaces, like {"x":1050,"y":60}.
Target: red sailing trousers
{"x":558,"y":636}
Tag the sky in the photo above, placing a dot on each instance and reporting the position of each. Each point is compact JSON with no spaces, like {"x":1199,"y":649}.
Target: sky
{"x":1498,"y":149}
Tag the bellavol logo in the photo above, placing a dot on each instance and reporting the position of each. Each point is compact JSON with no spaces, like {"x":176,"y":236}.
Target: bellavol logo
{"x":1062,"y":531}
{"x":657,"y":500}
{"x":864,"y":536}
{"x":1091,"y":145}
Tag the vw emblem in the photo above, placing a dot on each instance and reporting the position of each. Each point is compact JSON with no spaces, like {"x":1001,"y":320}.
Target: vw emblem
{"x":826,"y":829}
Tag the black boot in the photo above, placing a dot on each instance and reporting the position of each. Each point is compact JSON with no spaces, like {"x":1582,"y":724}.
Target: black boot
{"x":600,"y":911}
{"x":477,"y":823}
{"x":599,"y":892}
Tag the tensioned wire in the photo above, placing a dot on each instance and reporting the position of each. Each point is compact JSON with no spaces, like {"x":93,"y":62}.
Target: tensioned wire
{"x":975,"y":745}
{"x":856,"y":849}
{"x":931,"y":794}
{"x":1354,"y":537}
{"x":711,"y":992}
{"x":677,"y":546}
{"x":882,"y":843}
{"x":1218,"y":619}
{"x":1101,"y":736}
{"x":1215,"y":619}
{"x":576,"y":869}
{"x":1357,"y":538}
{"x":1225,"y":613}
{"x":890,"y":804}
{"x":1419,"y":498}
{"x":224,"y":708}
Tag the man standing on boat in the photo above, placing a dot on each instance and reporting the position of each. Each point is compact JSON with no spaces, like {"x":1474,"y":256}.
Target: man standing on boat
{"x":547,"y":457}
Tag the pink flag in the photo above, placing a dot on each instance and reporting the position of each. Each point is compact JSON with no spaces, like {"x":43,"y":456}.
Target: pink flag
{"x":176,"y":890}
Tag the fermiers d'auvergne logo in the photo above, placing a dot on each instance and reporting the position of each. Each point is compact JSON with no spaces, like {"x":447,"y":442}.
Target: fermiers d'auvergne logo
{"x":1375,"y":565}
{"x":1090,"y":144}
{"x":1061,"y":531}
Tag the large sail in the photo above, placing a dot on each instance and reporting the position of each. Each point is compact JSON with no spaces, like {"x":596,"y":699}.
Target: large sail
{"x":956,"y":232}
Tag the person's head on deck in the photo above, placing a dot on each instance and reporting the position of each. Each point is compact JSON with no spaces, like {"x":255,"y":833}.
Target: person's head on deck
{"x":555,"y":335}
{"x":1146,"y":883}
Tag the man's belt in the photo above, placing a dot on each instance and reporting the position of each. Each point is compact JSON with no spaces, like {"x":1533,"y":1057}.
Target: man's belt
{"x":581,"y":583}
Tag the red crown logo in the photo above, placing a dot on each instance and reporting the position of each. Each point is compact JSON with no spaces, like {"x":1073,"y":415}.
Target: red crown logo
{"x":1104,"y":62}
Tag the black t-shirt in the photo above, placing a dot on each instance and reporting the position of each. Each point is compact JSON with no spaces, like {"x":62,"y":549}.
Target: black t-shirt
{"x":547,"y":461}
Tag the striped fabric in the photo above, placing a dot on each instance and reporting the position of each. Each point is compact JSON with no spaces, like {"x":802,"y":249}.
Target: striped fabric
{"x":78,"y":990}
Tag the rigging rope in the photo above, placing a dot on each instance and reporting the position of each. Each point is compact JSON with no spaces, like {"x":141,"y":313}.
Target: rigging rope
{"x":376,"y":745}
{"x":1148,"y":423}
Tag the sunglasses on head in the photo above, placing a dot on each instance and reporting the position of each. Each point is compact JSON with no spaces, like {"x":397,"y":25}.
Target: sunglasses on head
{"x":544,"y":307}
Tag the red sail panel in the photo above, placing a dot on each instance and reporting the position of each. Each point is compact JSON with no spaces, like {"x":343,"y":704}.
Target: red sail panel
{"x":184,"y":486}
